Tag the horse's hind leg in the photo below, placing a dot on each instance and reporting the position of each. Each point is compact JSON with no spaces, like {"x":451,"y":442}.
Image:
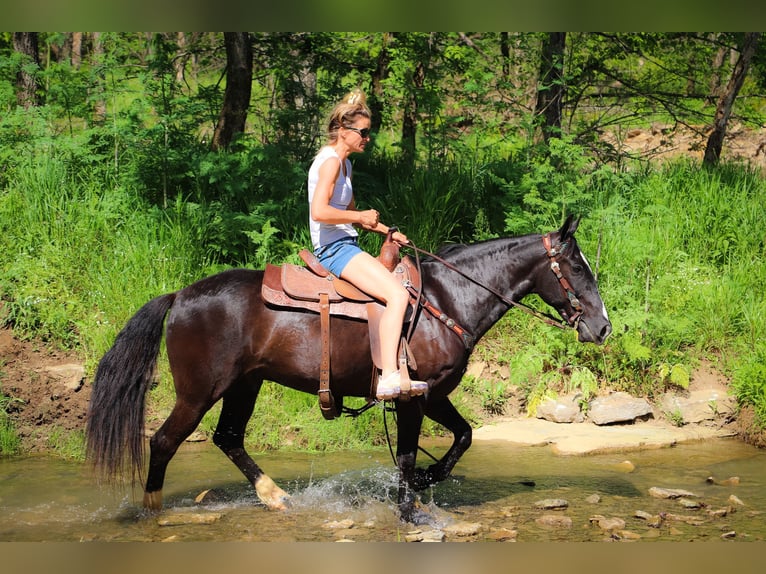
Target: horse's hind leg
{"x":444,"y":412}
{"x":238,"y":403}
{"x":181,"y":422}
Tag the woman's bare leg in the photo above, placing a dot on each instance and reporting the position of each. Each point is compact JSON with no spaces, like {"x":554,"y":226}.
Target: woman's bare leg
{"x":369,"y":275}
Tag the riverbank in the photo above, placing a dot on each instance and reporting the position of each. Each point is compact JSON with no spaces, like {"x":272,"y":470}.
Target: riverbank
{"x":586,"y":437}
{"x":50,"y":397}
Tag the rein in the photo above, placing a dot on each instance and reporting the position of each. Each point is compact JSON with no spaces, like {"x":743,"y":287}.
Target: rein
{"x":545,"y":317}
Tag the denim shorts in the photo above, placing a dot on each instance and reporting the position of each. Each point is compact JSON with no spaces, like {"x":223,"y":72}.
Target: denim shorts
{"x":335,"y":256}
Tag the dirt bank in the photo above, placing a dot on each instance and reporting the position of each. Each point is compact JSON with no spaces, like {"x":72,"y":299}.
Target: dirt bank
{"x":51,"y":395}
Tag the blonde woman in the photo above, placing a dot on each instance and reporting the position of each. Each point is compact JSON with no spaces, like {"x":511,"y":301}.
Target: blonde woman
{"x":333,"y":221}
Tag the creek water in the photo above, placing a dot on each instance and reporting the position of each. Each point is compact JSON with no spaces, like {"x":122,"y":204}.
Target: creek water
{"x":351,"y":495}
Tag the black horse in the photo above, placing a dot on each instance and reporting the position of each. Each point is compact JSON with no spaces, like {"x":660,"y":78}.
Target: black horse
{"x":223,"y":341}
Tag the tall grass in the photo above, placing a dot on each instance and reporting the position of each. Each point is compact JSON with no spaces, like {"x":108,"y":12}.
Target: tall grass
{"x":681,"y":267}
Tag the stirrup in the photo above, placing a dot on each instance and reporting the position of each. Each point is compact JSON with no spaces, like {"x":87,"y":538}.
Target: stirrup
{"x":390,"y":387}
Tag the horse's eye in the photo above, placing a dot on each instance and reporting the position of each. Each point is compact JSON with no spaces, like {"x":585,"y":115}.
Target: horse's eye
{"x":577,"y":269}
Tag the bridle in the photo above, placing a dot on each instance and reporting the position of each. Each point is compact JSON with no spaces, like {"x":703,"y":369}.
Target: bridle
{"x":570,"y":321}
{"x":566,"y":286}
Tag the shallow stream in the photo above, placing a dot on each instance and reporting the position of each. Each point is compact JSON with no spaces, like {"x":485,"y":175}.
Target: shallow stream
{"x":497,"y":493}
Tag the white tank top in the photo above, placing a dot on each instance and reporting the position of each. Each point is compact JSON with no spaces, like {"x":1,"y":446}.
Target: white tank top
{"x":342,"y":193}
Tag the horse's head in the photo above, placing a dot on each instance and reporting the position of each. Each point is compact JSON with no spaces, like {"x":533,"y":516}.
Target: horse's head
{"x":568,"y":285}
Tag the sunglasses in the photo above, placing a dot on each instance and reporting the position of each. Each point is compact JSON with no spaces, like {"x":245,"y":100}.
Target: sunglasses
{"x":364,"y":132}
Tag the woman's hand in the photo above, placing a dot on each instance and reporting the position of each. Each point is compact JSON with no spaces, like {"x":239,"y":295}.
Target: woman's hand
{"x":400,"y":238}
{"x":369,"y":219}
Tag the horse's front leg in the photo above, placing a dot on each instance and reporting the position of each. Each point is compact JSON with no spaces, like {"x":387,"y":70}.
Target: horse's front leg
{"x":409,"y":421}
{"x":443,"y":412}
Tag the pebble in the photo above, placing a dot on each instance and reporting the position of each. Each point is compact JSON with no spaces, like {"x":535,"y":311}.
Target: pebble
{"x":593,"y":499}
{"x":730,"y":534}
{"x":338,"y":524}
{"x":503,"y":535}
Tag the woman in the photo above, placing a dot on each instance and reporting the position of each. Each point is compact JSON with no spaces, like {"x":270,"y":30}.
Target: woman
{"x":332,"y":221}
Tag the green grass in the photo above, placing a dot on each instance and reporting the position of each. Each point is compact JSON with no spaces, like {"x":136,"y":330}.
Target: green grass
{"x":681,"y":267}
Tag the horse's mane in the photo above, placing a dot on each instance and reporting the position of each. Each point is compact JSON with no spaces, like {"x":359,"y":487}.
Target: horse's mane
{"x":449,"y":249}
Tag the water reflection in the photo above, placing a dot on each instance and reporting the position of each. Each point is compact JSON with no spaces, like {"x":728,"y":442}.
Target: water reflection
{"x":353,"y":495}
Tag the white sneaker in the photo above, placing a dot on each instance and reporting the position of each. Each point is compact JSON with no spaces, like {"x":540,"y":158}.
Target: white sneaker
{"x":390,"y":386}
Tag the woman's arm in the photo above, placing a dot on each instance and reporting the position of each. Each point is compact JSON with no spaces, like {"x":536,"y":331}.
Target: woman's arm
{"x":322,"y":211}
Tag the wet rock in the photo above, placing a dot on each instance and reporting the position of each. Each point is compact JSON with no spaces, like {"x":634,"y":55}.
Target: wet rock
{"x":424,"y":536}
{"x":503,"y":535}
{"x":626,"y":466}
{"x":183,"y":518}
{"x":463,"y":529}
{"x":626,"y":535}
{"x":698,"y":406}
{"x":617,"y":408}
{"x":652,"y":520}
{"x":736,"y":501}
{"x":731,"y":481}
{"x":593,"y":499}
{"x":413,"y":536}
{"x":721,"y":512}
{"x":338,"y":524}
{"x":433,"y":536}
{"x":554,"y":521}
{"x":561,"y":409}
{"x":657,"y":492}
{"x":608,"y":524}
{"x":552,"y":504}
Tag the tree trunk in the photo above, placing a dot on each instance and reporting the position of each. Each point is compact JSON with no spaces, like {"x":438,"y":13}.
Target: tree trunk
{"x":236,"y":98}
{"x":378,"y":76}
{"x":410,"y":116}
{"x":26,"y":82}
{"x":76,"y":56}
{"x":726,"y":101}
{"x":505,"y":52}
{"x":551,"y":88}
{"x":99,"y":105}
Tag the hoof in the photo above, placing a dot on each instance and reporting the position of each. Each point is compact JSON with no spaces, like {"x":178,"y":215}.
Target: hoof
{"x":153,"y":501}
{"x":418,"y":515}
{"x":270,"y":494}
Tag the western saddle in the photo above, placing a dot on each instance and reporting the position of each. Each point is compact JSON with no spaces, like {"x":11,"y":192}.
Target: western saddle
{"x":314,"y":288}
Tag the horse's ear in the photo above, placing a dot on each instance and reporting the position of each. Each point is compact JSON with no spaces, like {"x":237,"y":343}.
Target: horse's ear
{"x":568,"y":229}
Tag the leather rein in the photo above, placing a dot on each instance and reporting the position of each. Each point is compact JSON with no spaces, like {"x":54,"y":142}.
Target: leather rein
{"x":570,"y":322}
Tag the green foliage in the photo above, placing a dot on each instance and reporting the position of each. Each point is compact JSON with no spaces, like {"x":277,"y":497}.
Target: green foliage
{"x":10,"y":443}
{"x":99,"y":213}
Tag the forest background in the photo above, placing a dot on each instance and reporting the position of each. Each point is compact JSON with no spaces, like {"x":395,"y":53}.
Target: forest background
{"x":132,"y":164}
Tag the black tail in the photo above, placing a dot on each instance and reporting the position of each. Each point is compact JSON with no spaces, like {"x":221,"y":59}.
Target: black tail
{"x":115,"y":426}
